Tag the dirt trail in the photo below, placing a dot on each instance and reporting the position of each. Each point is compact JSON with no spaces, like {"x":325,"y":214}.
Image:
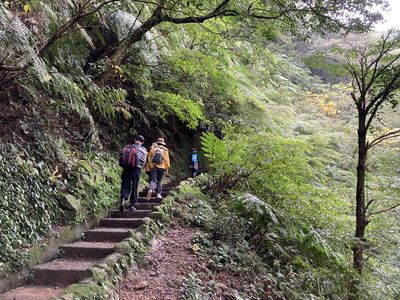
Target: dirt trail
{"x":170,"y":259}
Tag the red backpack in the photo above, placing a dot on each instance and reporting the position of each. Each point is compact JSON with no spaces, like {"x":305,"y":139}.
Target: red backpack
{"x":127,"y":157}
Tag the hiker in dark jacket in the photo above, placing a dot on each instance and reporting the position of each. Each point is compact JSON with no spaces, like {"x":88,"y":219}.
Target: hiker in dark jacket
{"x":132,"y":160}
{"x":194,"y":162}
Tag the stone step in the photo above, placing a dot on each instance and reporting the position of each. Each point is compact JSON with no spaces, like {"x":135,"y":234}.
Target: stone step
{"x":144,"y":194}
{"x":121,"y":222}
{"x":128,"y":214}
{"x":172,"y":184}
{"x":152,"y":200}
{"x":164,"y":188}
{"x":106,"y":234}
{"x":87,"y":249}
{"x":62,"y":271}
{"x":145,"y":206}
{"x":32,"y":293}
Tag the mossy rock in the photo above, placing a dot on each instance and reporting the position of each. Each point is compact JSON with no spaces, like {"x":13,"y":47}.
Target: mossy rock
{"x":134,"y":234}
{"x":123,"y":247}
{"x":76,"y":183}
{"x":142,"y":230}
{"x":88,"y":180}
{"x":87,"y":291}
{"x":70,"y":203}
{"x":101,"y":265}
{"x":84,"y":164}
{"x":113,"y":258}
{"x":65,"y":296}
{"x":303,"y":129}
{"x":155,"y":215}
{"x":98,"y":274}
{"x":147,"y":221}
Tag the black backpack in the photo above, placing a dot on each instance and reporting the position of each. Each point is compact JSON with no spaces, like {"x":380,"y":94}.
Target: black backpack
{"x":127,"y":157}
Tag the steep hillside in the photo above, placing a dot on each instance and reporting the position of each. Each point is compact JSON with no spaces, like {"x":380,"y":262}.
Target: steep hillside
{"x":278,"y":143}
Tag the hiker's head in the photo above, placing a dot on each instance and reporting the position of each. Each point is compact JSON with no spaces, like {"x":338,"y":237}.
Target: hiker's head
{"x":160,"y":141}
{"x":139,"y":139}
{"x":194,"y":150}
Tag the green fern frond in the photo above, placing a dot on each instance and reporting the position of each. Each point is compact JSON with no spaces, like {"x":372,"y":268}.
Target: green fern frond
{"x":186,"y":110}
{"x":214,"y":149}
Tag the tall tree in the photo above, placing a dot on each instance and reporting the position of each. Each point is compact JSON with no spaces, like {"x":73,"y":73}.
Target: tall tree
{"x":375,"y":73}
{"x":298,"y":16}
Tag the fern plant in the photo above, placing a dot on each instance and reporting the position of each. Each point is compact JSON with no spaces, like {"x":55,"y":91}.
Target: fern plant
{"x":214,"y":150}
{"x":18,"y":45}
{"x":186,"y":110}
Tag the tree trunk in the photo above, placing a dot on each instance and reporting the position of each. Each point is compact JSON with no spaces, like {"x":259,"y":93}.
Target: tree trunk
{"x":119,"y":53}
{"x":360,"y":192}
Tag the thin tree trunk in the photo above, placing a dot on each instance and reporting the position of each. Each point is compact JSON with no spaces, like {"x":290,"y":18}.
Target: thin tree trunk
{"x":358,"y":259}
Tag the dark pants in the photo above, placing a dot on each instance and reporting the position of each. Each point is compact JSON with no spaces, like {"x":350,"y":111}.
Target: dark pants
{"x":156,"y":177}
{"x":149,"y":174}
{"x":130,"y":184}
{"x":194,"y":173}
{"x":194,"y":168}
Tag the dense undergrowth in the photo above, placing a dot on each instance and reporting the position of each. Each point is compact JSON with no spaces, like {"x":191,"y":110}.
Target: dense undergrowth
{"x":279,"y":148}
{"x":274,"y":252}
{"x":38,"y":198}
{"x":244,"y":236}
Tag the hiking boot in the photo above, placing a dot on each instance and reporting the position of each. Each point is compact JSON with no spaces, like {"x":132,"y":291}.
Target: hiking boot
{"x":132,"y":208}
{"x":149,"y":194}
{"x":159,"y":196}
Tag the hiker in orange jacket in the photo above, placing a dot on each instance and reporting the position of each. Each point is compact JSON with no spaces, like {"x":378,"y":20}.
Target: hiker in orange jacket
{"x":159,"y":164}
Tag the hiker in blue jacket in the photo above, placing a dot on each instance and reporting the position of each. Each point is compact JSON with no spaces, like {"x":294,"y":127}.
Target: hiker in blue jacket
{"x":194,"y":162}
{"x":132,"y":159}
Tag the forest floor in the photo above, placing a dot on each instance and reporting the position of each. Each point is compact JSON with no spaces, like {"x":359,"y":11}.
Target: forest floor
{"x":169,"y":270}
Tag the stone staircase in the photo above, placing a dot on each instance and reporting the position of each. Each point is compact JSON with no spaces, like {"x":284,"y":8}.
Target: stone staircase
{"x":76,"y":259}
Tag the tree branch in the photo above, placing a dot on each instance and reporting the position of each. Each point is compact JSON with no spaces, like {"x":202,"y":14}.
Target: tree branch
{"x":382,"y":96}
{"x":389,"y":135}
{"x":375,"y":62}
{"x":390,"y":87}
{"x":71,"y":22}
{"x":385,"y":210}
{"x":368,"y":204}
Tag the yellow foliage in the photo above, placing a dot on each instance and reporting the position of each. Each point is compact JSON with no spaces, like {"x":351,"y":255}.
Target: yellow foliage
{"x":27,"y":8}
{"x":328,"y":108}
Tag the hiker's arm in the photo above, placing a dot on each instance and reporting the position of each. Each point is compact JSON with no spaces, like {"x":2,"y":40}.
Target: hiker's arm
{"x":150,"y":156}
{"x":147,"y":157}
{"x":144,"y":159}
{"x":167,"y":164}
